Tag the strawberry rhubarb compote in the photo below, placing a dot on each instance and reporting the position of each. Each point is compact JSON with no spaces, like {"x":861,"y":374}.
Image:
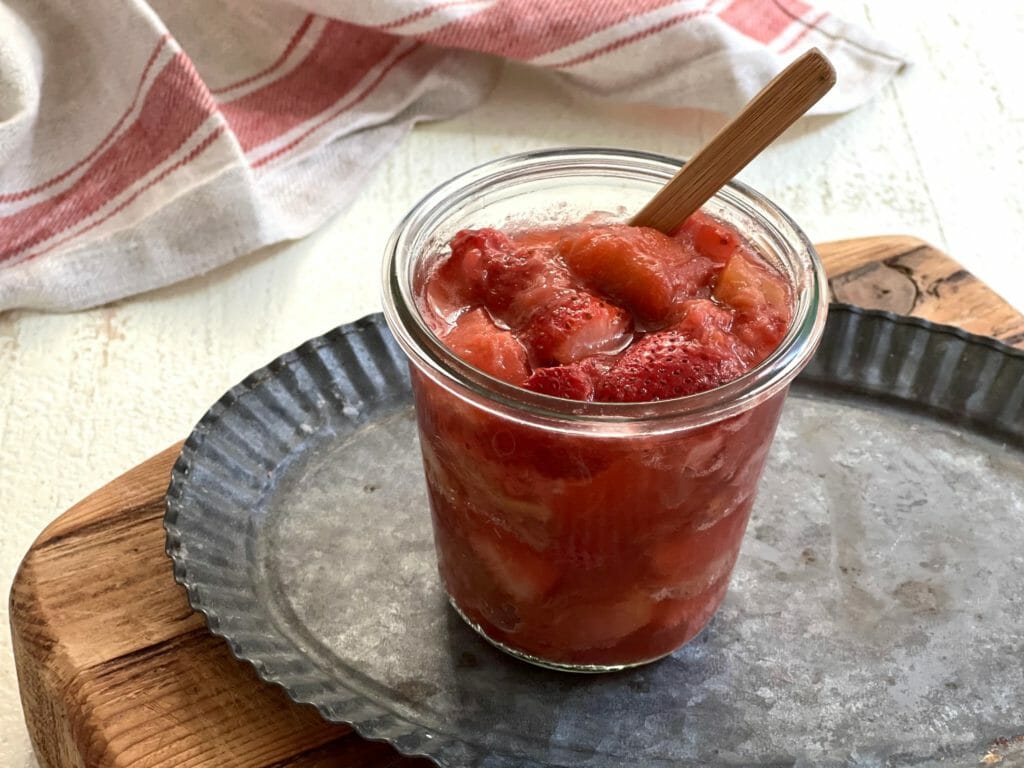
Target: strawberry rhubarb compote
{"x":591,"y":442}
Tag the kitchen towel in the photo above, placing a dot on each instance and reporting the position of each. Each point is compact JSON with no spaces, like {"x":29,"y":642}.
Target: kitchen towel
{"x":142,"y":142}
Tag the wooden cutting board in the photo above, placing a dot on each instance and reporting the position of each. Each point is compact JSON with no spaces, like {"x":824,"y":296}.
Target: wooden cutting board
{"x":115,"y":669}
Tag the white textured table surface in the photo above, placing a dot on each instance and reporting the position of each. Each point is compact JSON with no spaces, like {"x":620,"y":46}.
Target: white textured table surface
{"x":84,"y":397}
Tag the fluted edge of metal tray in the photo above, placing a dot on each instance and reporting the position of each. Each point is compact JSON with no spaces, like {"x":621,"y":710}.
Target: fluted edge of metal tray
{"x":960,"y":377}
{"x":967,"y":379}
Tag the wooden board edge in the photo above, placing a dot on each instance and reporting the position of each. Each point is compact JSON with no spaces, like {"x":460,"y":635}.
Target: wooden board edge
{"x":893,"y":246}
{"x":49,"y":684}
{"x":141,"y":483}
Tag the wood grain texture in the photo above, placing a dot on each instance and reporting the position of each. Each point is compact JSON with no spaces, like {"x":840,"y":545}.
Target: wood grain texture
{"x":907,"y":276}
{"x":777,"y":106}
{"x":116,"y":670}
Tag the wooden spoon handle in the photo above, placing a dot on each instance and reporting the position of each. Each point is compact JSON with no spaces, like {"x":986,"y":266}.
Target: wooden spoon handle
{"x":791,"y":93}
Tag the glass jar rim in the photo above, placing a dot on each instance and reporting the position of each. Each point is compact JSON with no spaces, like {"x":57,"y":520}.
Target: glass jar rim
{"x":431,"y":356}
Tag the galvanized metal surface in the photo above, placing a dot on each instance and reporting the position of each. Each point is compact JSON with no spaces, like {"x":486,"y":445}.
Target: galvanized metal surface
{"x":876,"y":616}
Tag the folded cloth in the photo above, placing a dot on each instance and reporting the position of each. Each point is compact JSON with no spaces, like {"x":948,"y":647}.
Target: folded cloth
{"x":143,"y":143}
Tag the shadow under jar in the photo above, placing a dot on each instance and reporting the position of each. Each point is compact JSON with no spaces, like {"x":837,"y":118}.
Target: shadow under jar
{"x":589,"y":536}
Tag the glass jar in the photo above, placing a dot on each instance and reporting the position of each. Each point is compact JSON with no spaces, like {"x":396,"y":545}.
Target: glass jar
{"x":589,"y":536}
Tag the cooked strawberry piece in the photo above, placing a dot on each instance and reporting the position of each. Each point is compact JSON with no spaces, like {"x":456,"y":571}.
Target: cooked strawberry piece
{"x":552,"y":456}
{"x":640,"y":268}
{"x":470,"y":249}
{"x":711,"y":325}
{"x":752,"y":289}
{"x":703,"y":451}
{"x":585,"y":625}
{"x":760,"y":336}
{"x":518,"y":571}
{"x":508,"y":278}
{"x":711,"y":238}
{"x":460,"y":280}
{"x":598,"y":518}
{"x":703,"y":320}
{"x":715,"y":243}
{"x":693,"y":278}
{"x":665,"y":365}
{"x":631,"y":265}
{"x":546,"y":283}
{"x":471,"y":246}
{"x":569,"y":381}
{"x":688,"y":562}
{"x":761,"y":299}
{"x":513,"y":285}
{"x":575,"y":325}
{"x":597,"y":366}
{"x":478,"y":341}
{"x":689,"y":614}
{"x":451,"y":285}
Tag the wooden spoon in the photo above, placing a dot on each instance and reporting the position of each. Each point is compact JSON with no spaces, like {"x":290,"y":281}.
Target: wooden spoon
{"x":791,"y":93}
